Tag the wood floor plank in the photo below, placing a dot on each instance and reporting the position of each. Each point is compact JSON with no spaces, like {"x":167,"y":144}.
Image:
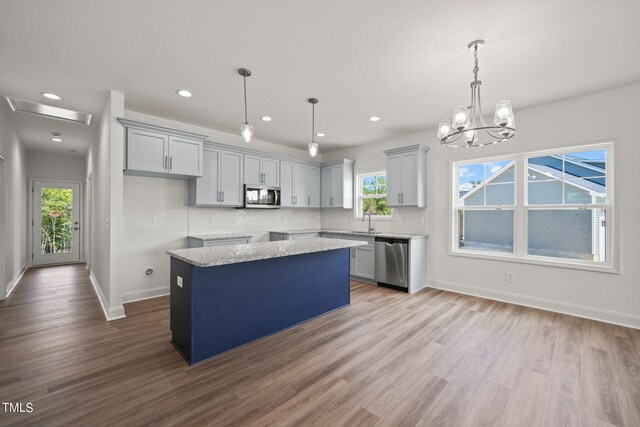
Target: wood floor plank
{"x":433,"y":358}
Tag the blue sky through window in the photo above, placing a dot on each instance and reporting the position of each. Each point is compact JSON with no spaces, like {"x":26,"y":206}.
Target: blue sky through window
{"x":474,"y":174}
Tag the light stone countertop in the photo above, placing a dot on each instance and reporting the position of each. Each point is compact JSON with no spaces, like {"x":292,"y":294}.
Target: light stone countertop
{"x":351,"y":233}
{"x":227,"y":236}
{"x":232,"y":254}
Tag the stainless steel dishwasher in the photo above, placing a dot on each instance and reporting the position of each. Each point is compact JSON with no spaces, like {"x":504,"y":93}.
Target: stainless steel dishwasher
{"x":392,"y":262}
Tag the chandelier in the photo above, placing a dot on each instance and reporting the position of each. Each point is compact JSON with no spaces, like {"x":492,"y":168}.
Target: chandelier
{"x":467,"y":128}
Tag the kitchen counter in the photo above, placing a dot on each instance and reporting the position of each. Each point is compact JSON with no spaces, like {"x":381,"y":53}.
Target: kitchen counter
{"x":233,"y":254}
{"x":225,"y":297}
{"x":356,"y":233}
{"x":228,"y":236}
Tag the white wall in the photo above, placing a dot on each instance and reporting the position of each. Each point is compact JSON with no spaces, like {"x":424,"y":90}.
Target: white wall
{"x":104,"y":194}
{"x":14,"y":185}
{"x":603,"y":116}
{"x":56,"y":166}
{"x":166,"y":200}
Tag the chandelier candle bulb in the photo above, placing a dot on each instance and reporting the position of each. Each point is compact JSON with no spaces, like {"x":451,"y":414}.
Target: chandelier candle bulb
{"x":444,"y":128}
{"x":460,"y":117}
{"x":246,"y":130}
{"x":504,"y":114}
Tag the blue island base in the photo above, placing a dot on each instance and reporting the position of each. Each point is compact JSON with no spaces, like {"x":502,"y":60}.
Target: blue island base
{"x":222,"y":307}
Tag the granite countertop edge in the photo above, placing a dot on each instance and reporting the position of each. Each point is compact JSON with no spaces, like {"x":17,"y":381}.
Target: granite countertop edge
{"x":234,"y":254}
{"x":351,"y":233}
{"x":224,"y":236}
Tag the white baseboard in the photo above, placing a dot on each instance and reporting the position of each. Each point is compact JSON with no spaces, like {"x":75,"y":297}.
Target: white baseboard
{"x":145,"y":294}
{"x":110,"y":313}
{"x":592,"y":313}
{"x":12,"y":284}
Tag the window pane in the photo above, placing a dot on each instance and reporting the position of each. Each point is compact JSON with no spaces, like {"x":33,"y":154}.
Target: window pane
{"x":57,"y":220}
{"x":376,"y":206}
{"x":490,"y":230}
{"x":499,"y":194}
{"x":583,"y":172}
{"x":545,"y":192}
{"x":567,"y":233}
{"x":476,"y":179}
{"x":374,"y":185}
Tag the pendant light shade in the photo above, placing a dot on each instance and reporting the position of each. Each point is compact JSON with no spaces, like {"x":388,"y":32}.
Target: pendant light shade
{"x":313,"y":146}
{"x":246,"y":130}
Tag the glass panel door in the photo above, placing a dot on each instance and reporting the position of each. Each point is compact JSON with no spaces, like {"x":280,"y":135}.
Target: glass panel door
{"x":56,"y":222}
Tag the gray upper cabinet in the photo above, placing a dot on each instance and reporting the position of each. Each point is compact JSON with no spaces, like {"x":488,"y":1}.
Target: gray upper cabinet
{"x":261,"y":170}
{"x":221,"y":182}
{"x":313,"y":187}
{"x":157,"y":151}
{"x":299,"y":185}
{"x":337,"y":184}
{"x":406,"y":176}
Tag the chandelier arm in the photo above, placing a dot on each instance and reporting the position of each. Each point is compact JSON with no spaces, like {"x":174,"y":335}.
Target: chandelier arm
{"x":480,"y":113}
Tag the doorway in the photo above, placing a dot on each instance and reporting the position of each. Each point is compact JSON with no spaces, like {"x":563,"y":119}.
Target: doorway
{"x":3,"y":227}
{"x":56,"y":222}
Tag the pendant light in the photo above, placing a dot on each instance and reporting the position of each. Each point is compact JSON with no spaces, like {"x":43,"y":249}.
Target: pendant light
{"x":468,"y":128}
{"x":246,"y":130}
{"x":313,"y":146}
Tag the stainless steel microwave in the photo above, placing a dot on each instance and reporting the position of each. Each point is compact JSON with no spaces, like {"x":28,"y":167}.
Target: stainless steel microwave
{"x":261,"y":197}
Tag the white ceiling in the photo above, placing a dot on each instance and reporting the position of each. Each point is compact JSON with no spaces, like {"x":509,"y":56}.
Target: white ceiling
{"x":405,"y":61}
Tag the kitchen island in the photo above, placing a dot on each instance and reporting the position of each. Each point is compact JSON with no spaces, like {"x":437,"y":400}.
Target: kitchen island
{"x":226,"y":296}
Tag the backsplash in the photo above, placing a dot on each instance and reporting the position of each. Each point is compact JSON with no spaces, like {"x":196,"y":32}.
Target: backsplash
{"x":405,"y":220}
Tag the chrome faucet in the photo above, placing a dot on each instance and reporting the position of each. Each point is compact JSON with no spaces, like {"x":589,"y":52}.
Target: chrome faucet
{"x":370,"y":227}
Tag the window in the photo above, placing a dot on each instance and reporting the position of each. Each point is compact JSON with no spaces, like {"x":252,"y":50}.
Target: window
{"x":562,"y":215}
{"x":372,"y":195}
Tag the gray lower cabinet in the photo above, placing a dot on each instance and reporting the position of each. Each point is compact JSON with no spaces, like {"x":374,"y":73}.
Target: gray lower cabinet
{"x":362,"y":257}
{"x":203,"y":243}
{"x":274,"y":235}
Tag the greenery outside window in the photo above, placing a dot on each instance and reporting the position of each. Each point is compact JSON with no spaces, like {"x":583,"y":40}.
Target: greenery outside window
{"x":372,"y":195}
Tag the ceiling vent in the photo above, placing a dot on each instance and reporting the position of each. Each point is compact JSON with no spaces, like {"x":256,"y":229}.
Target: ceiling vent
{"x":24,"y":106}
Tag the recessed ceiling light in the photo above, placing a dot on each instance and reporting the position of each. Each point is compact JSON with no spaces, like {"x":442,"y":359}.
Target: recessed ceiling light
{"x":265,"y":118}
{"x":184,"y":93}
{"x":374,"y":118}
{"x":319,"y":134}
{"x":51,"y":96}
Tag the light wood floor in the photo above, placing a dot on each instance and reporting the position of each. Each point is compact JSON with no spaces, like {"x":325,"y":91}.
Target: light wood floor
{"x":435,"y":358}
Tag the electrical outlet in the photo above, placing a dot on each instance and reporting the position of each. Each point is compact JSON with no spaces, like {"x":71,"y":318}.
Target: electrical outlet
{"x":508,"y":277}
{"x":179,"y":281}
{"x":152,"y":220}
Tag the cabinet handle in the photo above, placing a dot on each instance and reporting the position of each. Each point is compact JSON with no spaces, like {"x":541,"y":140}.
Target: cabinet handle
{"x":170,"y":162}
{"x":164,"y":163}
{"x":308,"y":201}
{"x":296,"y":199}
{"x":223,"y":196}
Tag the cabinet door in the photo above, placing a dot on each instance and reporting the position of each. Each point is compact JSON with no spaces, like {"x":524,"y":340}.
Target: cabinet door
{"x":147,"y":151}
{"x":364,"y":262}
{"x":338,"y":186}
{"x":313,"y":187}
{"x":206,"y":187}
{"x":409,"y":181}
{"x":327,"y":186}
{"x":231,"y":178}
{"x":353,"y":262}
{"x":270,"y":172}
{"x":286,"y":184}
{"x":300,"y":186}
{"x":394,"y":176}
{"x":185,"y":156}
{"x":252,"y":169}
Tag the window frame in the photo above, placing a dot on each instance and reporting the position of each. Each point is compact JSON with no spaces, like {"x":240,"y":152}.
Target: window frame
{"x":521,"y":209}
{"x":360,"y":197}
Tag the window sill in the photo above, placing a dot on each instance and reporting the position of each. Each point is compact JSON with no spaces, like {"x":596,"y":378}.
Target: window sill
{"x":544,"y":261}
